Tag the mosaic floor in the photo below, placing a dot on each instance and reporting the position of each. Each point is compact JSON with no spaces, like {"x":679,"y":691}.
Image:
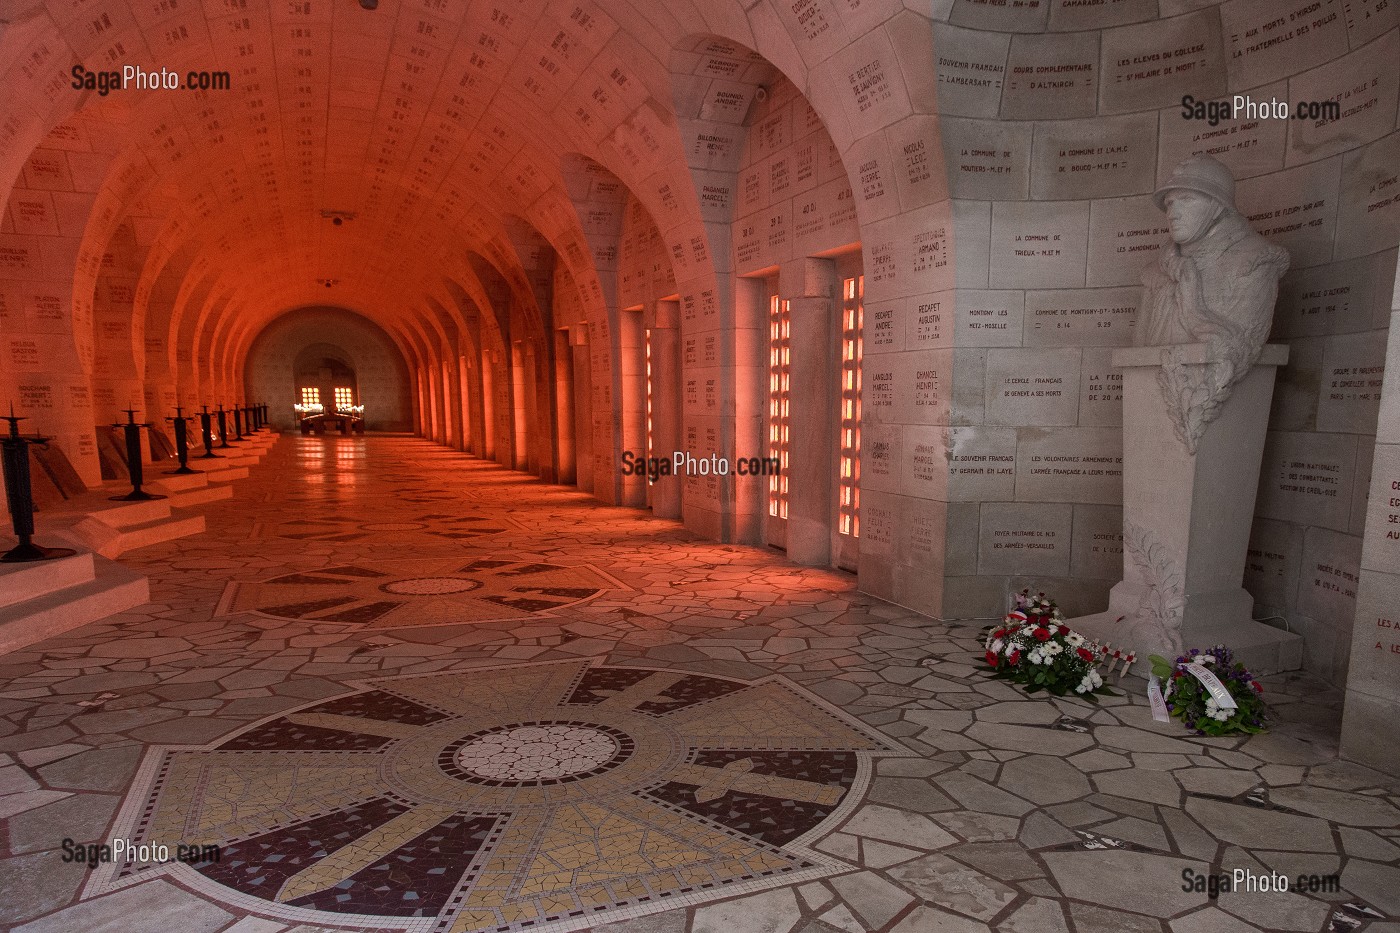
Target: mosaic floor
{"x":406,"y":690}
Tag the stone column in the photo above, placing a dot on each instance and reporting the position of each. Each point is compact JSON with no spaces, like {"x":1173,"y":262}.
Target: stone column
{"x":1187,"y":517}
{"x":1369,"y":733}
{"x":666,"y":405}
{"x":583,"y":406}
{"x":807,"y":285}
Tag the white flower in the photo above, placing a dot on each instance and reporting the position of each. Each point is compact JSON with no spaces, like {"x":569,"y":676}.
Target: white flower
{"x":1028,"y":630}
{"x":996,"y":646}
{"x":1053,"y":648}
{"x":1074,"y":639}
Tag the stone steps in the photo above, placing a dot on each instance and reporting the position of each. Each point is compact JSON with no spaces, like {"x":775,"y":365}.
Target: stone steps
{"x":58,"y":596}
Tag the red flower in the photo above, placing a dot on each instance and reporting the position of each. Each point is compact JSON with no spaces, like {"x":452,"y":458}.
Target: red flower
{"x":1042,"y":634}
{"x":1256,"y":685}
{"x":1086,"y":654}
{"x":1178,"y":674}
{"x":1064,"y":629}
{"x":992,"y":658}
{"x":999,"y":633}
{"x":1014,"y":657}
{"x":1040,"y":619}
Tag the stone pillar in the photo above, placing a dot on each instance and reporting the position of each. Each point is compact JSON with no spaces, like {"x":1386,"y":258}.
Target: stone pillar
{"x":807,"y":284}
{"x":666,"y":405}
{"x":631,"y":364}
{"x":1187,"y":518}
{"x":583,"y":406}
{"x":1369,"y":733}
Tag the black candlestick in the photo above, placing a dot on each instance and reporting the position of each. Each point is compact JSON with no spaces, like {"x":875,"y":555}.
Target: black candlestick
{"x":133,"y":460}
{"x":182,"y":443}
{"x":237,"y":423}
{"x":19,"y":493}
{"x":206,"y":424}
{"x":223,"y":427}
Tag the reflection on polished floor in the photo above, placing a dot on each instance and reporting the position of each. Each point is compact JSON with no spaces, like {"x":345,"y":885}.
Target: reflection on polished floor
{"x":407,"y":690}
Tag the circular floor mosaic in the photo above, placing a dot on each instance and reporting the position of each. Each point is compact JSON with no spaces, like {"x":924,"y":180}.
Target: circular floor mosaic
{"x":561,"y":795}
{"x":413,"y":592}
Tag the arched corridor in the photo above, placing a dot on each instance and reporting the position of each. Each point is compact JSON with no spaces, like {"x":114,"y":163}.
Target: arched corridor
{"x":609,"y":433}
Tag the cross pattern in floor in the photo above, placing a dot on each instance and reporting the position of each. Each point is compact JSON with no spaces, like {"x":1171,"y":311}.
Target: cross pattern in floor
{"x":1012,"y":814}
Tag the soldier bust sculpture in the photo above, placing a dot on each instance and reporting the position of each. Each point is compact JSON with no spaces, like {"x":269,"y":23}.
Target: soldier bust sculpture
{"x":1214,"y":284}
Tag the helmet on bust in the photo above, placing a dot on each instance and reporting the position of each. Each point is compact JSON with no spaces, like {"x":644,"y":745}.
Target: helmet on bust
{"x":1202,"y":174}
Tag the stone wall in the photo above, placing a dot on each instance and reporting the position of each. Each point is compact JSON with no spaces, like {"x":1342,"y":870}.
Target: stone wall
{"x":1056,"y":128}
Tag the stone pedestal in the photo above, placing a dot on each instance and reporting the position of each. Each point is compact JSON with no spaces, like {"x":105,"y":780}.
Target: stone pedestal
{"x":1187,"y":518}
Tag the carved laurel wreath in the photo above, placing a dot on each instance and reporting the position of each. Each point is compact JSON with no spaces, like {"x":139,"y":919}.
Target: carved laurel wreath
{"x":1161,"y":608}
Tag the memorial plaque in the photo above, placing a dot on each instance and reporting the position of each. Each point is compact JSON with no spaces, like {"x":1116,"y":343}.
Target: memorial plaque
{"x":877,"y":516}
{"x":1152,"y":65}
{"x":825,"y":218}
{"x":752,"y":188}
{"x":881,"y":331}
{"x":880,"y":457}
{"x":725,"y":101}
{"x":981,"y":464}
{"x":924,"y":466}
{"x":1001,"y":16}
{"x":921,"y":537}
{"x":1353,"y":367}
{"x":878,"y":392}
{"x":1070,"y":465}
{"x":1025,"y":538}
{"x":1085,"y":317}
{"x":1126,"y":235}
{"x":1331,"y":573}
{"x":1375,"y":655}
{"x":1266,"y":40}
{"x":870,"y":85}
{"x":1097,"y":158}
{"x":1383,"y":509}
{"x":1367,"y":19}
{"x":1367,"y":85}
{"x":772,"y":133}
{"x":1039,"y":245}
{"x":922,"y":386}
{"x":987,"y":318}
{"x":1054,"y":76}
{"x":33,"y":212}
{"x":987,"y":159}
{"x":1073,"y":15}
{"x":1097,"y":542}
{"x":1100,"y":389}
{"x":1295,"y":209}
{"x":1032,"y":387}
{"x":1370,"y":203}
{"x":874,"y":179}
{"x":1272,"y":563}
{"x":1337,"y":298}
{"x":921,"y":175}
{"x":1306,"y":478}
{"x":928,"y":320}
{"x":748,"y":244}
{"x":971,"y":68}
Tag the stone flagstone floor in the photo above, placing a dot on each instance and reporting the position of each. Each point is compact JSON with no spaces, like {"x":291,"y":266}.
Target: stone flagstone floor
{"x":407,"y":690}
